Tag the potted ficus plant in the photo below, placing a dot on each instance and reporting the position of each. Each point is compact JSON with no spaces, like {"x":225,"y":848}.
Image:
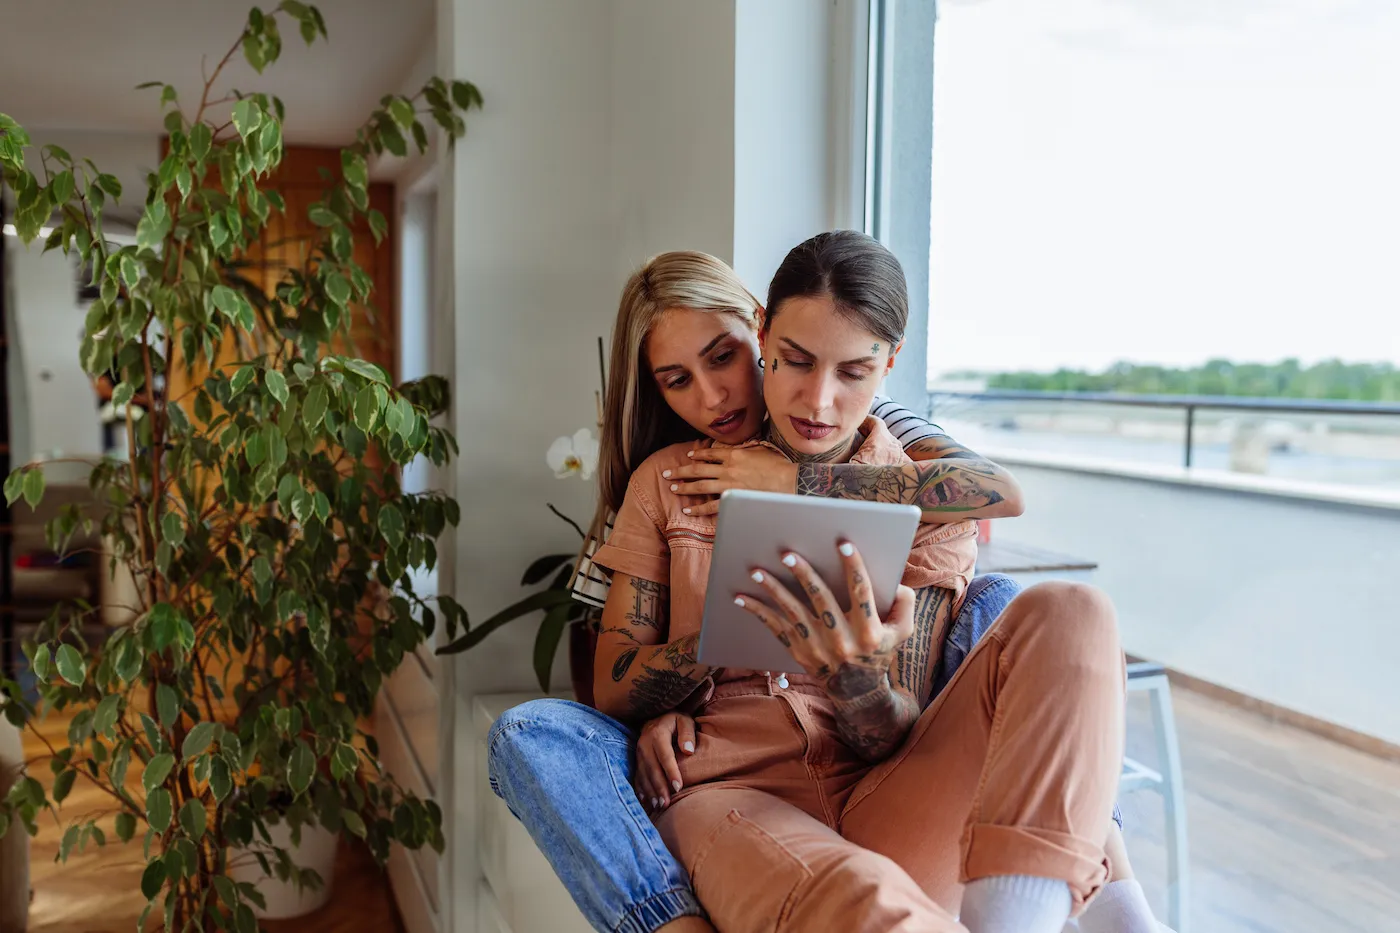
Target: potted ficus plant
{"x":258,"y":514}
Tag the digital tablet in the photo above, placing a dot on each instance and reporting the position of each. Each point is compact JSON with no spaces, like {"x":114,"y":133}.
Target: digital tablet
{"x":755,"y":529}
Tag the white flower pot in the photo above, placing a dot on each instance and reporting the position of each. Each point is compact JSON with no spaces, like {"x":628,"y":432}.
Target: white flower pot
{"x":317,"y":851}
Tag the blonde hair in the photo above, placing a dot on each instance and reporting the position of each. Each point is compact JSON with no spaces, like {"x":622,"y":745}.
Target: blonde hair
{"x":637,"y":422}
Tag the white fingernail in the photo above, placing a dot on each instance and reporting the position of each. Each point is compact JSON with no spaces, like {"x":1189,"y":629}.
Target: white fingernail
{"x":674,"y":487}
{"x":676,"y":785}
{"x":739,"y":601}
{"x":686,"y":511}
{"x":690,"y":747}
{"x":666,"y":474}
{"x":846,"y":549}
{"x":789,"y":560}
{"x":757,"y":576}
{"x":690,"y":453}
{"x":655,"y":803}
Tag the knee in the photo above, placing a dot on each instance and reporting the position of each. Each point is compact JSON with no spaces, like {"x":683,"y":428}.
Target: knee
{"x":541,"y":727}
{"x":1077,"y":618}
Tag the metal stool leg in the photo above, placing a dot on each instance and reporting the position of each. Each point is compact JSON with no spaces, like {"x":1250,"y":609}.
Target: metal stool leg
{"x":1174,"y":802}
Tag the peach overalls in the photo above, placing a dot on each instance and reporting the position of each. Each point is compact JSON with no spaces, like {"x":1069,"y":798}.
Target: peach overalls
{"x":1011,"y":770}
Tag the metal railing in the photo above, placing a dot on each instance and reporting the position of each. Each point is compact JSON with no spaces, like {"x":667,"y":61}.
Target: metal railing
{"x":1189,"y":404}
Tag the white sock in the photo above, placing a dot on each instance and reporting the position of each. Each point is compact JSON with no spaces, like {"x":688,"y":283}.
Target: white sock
{"x":1015,"y":904}
{"x":1120,"y":907}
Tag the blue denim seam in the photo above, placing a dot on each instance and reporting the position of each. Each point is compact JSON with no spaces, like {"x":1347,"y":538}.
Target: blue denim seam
{"x":660,"y":909}
{"x":633,"y":807}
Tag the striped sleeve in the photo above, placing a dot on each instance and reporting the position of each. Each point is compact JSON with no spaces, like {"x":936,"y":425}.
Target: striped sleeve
{"x":591,"y":582}
{"x":907,"y":427}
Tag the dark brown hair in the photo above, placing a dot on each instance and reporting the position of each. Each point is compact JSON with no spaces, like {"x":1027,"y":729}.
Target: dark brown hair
{"x":861,"y":277}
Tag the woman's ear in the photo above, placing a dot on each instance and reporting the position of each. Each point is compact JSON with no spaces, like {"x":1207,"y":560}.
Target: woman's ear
{"x":889,"y":363}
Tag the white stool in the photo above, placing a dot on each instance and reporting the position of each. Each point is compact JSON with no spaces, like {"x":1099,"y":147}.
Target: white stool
{"x":1152,"y":677}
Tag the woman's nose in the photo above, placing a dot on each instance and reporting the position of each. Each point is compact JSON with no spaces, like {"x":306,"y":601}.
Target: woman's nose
{"x":712,"y":393}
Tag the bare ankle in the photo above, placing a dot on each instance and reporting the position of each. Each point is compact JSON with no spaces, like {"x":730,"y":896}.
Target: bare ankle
{"x":688,"y":925}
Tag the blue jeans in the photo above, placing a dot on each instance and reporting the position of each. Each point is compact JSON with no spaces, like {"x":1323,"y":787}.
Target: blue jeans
{"x":565,"y":771}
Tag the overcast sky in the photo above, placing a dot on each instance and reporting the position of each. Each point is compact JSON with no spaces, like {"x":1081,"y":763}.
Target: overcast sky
{"x":1165,"y":181}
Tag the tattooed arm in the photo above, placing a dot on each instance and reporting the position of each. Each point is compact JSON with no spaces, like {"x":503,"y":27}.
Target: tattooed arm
{"x":877,"y":705}
{"x":637,"y":674}
{"x":947,"y":481}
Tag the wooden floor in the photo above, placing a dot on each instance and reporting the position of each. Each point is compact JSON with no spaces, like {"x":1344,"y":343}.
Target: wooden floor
{"x":98,"y":891}
{"x":1288,"y":832}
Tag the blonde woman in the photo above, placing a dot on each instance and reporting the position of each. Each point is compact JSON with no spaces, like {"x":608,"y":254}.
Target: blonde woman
{"x":685,"y":364}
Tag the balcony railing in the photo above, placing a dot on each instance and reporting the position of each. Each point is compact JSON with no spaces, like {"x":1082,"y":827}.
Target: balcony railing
{"x":946,"y":404}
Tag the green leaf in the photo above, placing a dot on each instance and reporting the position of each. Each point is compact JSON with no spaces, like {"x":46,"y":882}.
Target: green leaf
{"x":174,"y":528}
{"x":547,"y":641}
{"x":354,"y":168}
{"x":164,"y":627}
{"x":246,"y":115}
{"x":70,"y":839}
{"x":159,"y":809}
{"x":366,"y":408}
{"x":42,"y":664}
{"x":61,"y":188}
{"x":33,"y":486}
{"x":198,"y":740}
{"x":111,"y":185}
{"x":300,"y":767}
{"x":131,"y":270}
{"x":240,"y":380}
{"x":277,"y":385}
{"x":193,"y":819}
{"x":344,"y":763}
{"x":201,"y":139}
{"x":353,"y":823}
{"x":547,"y":599}
{"x":71,"y":666}
{"x":314,"y":408}
{"x":63,"y":784}
{"x":126,"y":826}
{"x":121,"y":760}
{"x":153,"y":878}
{"x":220,"y":780}
{"x":402,"y":112}
{"x":123,"y":394}
{"x":378,"y":225}
{"x":322,"y":216}
{"x":153,"y":226}
{"x":465,"y":95}
{"x":157,"y":770}
{"x":106,"y":716}
{"x":167,"y":704}
{"x":391,"y":524}
{"x":321,"y":504}
{"x":229,"y":302}
{"x":543,"y":567}
{"x":337,"y":288}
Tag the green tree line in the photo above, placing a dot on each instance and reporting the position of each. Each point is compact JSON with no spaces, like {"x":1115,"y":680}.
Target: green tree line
{"x":1330,"y":379}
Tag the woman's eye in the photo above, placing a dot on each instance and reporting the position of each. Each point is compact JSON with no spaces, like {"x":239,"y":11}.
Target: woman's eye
{"x":853,"y":376}
{"x":678,"y":382}
{"x":798,"y":364}
{"x":721,"y":358}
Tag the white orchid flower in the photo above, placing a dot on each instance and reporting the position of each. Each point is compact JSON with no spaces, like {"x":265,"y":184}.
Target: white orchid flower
{"x":577,"y":455}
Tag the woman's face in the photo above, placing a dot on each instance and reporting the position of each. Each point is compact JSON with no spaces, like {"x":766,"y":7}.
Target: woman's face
{"x":706,"y":365}
{"x":823,"y":372}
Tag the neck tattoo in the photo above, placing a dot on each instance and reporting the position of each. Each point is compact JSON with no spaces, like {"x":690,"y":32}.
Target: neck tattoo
{"x":838,"y":454}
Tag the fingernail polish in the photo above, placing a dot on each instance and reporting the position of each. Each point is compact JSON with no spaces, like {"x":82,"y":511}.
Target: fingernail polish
{"x":655,"y":804}
{"x":757,"y":576}
{"x":674,"y":487}
{"x":846,"y":549}
{"x":789,"y":560}
{"x":686,"y":511}
{"x":690,"y":747}
{"x":666,"y":474}
{"x":739,"y":601}
{"x":690,"y":453}
{"x":676,"y":786}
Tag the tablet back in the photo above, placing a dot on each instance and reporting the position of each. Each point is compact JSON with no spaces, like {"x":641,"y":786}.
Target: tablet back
{"x":755,"y":528}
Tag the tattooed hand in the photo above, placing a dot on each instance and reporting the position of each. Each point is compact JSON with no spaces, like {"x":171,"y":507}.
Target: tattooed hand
{"x":714,"y":470}
{"x":850,"y":652}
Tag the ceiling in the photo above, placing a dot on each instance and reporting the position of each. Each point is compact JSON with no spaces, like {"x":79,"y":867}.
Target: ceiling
{"x":73,"y":64}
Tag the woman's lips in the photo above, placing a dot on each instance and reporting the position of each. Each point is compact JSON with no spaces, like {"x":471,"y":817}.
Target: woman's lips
{"x":728,"y":422}
{"x":812,"y":430}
